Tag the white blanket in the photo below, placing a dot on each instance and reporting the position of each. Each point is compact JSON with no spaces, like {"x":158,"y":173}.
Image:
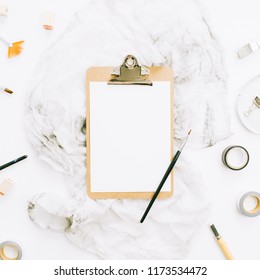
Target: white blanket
{"x":169,"y":32}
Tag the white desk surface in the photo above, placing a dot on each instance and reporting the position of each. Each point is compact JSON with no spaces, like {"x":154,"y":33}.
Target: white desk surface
{"x":235,"y":24}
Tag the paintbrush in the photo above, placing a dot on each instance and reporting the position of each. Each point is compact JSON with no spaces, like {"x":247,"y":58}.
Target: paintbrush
{"x":248,"y":49}
{"x":14,"y":48}
{"x":13,"y":162}
{"x":5,"y":89}
{"x":167,"y":173}
{"x":222,"y":244}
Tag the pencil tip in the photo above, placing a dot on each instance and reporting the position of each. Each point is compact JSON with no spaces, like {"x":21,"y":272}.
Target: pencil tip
{"x":189,"y":132}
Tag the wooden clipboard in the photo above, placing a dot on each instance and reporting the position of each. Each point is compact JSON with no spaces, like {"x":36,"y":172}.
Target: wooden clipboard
{"x":103,"y":183}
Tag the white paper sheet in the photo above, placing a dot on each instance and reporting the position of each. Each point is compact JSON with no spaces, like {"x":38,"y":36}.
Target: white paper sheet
{"x":130,"y":137}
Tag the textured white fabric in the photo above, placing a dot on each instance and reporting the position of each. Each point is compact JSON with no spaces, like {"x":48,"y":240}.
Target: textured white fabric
{"x":169,"y":32}
{"x":110,"y":229}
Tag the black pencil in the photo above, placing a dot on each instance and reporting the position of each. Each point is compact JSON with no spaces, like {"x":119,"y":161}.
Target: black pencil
{"x":167,"y":173}
{"x":13,"y":162}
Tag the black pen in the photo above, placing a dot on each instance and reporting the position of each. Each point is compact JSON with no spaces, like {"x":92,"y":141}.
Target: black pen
{"x":167,"y":173}
{"x":13,"y":162}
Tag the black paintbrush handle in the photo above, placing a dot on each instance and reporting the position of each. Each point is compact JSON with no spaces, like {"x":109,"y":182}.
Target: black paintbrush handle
{"x":167,"y":173}
{"x":12,"y":162}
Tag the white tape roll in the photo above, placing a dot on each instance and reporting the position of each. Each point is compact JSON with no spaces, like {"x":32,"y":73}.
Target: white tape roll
{"x":249,"y":211}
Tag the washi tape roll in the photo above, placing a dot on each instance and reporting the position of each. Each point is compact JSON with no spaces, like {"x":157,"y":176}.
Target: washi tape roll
{"x":12,"y":245}
{"x":247,"y":210}
{"x":235,"y":157}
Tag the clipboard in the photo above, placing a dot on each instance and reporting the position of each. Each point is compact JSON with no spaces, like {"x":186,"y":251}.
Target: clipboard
{"x":129,"y":130}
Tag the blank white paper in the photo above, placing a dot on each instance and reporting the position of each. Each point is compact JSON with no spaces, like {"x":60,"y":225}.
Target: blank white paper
{"x":130,"y":137}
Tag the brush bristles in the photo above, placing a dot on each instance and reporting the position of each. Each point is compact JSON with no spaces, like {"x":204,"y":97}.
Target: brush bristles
{"x":214,"y":231}
{"x":15,"y":49}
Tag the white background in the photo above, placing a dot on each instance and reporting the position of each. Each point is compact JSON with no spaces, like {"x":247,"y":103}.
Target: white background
{"x":235,"y":23}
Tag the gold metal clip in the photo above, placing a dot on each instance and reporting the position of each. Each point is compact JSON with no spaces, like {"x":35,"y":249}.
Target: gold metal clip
{"x":257,"y":102}
{"x":130,"y":73}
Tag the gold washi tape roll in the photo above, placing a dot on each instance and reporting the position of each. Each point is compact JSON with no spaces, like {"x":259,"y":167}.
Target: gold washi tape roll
{"x":253,"y":212}
{"x":235,"y":157}
{"x":13,"y":245}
